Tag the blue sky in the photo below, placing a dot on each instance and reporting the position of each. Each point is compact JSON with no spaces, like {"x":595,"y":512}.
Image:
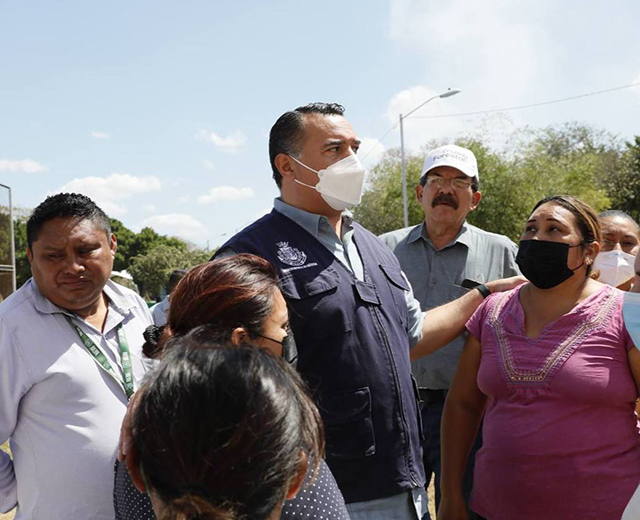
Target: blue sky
{"x":161,"y":110}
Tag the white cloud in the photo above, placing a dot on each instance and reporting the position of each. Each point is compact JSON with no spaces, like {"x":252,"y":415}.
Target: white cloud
{"x":107,"y":191}
{"x":21,"y":165}
{"x":184,"y":199}
{"x":500,"y":53}
{"x":370,"y":151}
{"x":149,"y":208}
{"x":231,"y":143}
{"x":179,"y":225}
{"x":226,"y":193}
{"x":208,"y":164}
{"x":100,"y":135}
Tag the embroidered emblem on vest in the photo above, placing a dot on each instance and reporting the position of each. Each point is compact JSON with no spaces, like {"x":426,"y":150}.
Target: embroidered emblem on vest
{"x":290,"y":255}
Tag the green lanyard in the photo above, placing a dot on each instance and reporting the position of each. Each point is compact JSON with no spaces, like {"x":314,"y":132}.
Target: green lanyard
{"x":101,"y":359}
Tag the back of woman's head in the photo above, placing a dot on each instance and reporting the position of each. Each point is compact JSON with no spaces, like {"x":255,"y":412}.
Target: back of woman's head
{"x":220,"y":431}
{"x":226,"y":293}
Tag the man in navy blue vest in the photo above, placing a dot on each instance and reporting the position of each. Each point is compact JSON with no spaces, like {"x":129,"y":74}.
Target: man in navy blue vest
{"x":352,"y":313}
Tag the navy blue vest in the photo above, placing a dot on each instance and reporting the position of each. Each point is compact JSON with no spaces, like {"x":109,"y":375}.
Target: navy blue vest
{"x":353,"y":353}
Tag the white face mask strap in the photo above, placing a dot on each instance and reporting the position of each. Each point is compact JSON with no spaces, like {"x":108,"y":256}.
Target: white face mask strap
{"x":302,"y":164}
{"x":305,"y":166}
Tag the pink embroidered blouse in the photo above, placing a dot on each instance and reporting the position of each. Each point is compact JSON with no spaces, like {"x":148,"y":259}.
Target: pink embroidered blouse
{"x":561,"y":438}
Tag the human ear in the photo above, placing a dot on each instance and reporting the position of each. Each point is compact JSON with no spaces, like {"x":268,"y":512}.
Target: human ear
{"x":135,"y":471}
{"x":298,"y":479}
{"x":285,"y":166}
{"x":239,"y":336}
{"x":113,"y":244}
{"x":419,"y":190}
{"x":591,"y":251}
{"x":477,"y":197}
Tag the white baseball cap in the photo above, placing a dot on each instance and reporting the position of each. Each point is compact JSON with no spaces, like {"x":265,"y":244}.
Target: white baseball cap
{"x":451,"y":155}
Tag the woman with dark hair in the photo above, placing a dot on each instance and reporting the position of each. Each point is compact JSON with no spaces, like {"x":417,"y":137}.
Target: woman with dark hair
{"x":245,"y":456}
{"x":238,"y":298}
{"x":553,"y":369}
{"x":618,"y":249}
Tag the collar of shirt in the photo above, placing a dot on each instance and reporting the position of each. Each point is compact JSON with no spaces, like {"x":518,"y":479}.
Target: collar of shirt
{"x":317,"y":225}
{"x":463,"y":237}
{"x":164,"y":304}
{"x":116,"y":299}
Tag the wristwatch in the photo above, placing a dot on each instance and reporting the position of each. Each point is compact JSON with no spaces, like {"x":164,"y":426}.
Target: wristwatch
{"x":484,"y":290}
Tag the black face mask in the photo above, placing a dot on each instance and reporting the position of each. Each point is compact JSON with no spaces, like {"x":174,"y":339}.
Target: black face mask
{"x":289,"y":348}
{"x":544,"y":263}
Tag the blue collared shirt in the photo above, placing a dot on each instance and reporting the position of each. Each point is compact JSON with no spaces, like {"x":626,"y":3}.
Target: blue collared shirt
{"x":436,"y":276}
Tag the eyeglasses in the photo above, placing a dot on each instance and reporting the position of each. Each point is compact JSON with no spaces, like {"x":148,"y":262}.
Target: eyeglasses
{"x":439,"y":182}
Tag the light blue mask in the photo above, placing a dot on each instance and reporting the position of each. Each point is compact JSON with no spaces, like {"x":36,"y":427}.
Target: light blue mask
{"x":631,"y":314}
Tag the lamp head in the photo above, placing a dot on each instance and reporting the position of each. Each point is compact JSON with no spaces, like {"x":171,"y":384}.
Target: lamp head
{"x":450,"y":92}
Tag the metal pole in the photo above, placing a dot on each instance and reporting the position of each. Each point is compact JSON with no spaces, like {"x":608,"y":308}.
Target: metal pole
{"x":405,"y":208}
{"x":13,"y":243}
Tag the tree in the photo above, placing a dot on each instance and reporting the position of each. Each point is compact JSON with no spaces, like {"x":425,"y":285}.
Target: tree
{"x":126,"y":239}
{"x":381,"y":207}
{"x":622,"y":180}
{"x":151,"y":270}
{"x":23,"y":267}
{"x":570,"y":159}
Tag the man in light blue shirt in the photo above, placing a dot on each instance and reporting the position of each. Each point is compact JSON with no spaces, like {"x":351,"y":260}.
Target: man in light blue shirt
{"x":70,"y":358}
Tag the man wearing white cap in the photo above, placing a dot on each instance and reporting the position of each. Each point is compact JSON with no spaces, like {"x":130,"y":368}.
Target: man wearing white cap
{"x":443,"y":258}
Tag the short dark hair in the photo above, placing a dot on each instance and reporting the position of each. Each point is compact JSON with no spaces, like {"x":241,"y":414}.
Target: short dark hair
{"x":287,"y":133}
{"x":221,"y":430}
{"x":175,"y":276}
{"x":612,"y":213}
{"x":65,"y":205}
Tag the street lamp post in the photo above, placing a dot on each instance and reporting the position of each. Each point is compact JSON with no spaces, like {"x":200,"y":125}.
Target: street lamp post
{"x":405,"y":205}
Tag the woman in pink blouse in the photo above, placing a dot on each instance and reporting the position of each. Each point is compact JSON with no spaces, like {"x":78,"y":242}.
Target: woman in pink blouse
{"x":552,"y":367}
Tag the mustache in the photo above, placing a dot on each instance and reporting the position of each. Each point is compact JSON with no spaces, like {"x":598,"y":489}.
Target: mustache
{"x":445,"y":198}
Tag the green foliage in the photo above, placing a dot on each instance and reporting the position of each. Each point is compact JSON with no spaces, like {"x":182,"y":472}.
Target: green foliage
{"x":130,"y":245}
{"x":570,"y":159}
{"x":622,"y":180}
{"x":381,"y":206}
{"x":23,"y":268}
{"x":151,"y":270}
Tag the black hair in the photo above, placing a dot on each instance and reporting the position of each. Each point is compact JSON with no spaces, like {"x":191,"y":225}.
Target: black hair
{"x":586,"y":218}
{"x":65,"y":205}
{"x":612,"y":213}
{"x":175,"y":276}
{"x":220,"y":430}
{"x":287,"y":133}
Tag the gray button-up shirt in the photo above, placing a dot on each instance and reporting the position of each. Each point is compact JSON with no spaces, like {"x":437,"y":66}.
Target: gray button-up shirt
{"x":436,"y":275}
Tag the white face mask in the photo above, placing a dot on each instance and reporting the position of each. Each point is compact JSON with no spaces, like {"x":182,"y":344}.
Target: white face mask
{"x":616,"y":267}
{"x":340,"y":184}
